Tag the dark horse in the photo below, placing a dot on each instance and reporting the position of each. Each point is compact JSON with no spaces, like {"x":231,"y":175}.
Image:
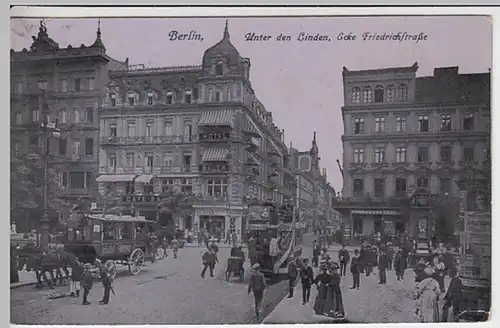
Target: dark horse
{"x":43,"y":262}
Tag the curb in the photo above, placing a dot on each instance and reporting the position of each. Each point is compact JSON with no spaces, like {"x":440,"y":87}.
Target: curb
{"x":21,"y":284}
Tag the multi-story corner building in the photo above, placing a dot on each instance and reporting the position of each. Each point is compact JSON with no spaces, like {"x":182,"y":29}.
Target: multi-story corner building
{"x":196,"y":129}
{"x":404,"y":133}
{"x":66,"y":84}
{"x":314,"y":191}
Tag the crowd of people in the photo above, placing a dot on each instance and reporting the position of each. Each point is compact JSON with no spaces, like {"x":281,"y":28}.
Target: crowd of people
{"x":429,"y":276}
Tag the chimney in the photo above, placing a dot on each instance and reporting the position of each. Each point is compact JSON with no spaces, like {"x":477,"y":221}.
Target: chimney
{"x":283,"y":135}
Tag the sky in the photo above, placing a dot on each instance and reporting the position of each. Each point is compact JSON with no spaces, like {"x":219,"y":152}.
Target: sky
{"x":299,"y":82}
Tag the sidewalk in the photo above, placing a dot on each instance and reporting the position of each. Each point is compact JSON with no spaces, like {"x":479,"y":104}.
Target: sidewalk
{"x":373,"y":303}
{"x":25,"y":279}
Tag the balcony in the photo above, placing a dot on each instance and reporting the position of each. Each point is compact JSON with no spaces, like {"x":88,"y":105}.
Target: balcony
{"x":152,"y":140}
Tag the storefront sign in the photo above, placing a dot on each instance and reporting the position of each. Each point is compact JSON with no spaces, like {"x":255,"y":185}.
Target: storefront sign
{"x":375,"y":212}
{"x":211,"y":212}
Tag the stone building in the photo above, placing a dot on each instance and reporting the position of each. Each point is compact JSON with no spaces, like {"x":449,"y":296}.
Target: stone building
{"x":315,"y":192}
{"x":404,"y":133}
{"x":66,"y":84}
{"x":200,"y":130}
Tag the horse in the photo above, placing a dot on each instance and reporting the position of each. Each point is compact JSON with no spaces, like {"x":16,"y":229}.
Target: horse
{"x":43,"y":262}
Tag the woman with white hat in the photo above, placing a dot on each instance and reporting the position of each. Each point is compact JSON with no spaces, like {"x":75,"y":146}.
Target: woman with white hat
{"x":322,"y":281}
{"x":257,"y":285}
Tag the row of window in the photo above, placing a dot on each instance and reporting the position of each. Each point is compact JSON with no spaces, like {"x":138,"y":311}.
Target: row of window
{"x":77,"y":180}
{"x":149,"y":128}
{"x":149,"y":159}
{"x":76,"y":84}
{"x":423,"y":123}
{"x":422,"y":155}
{"x":400,"y":186}
{"x":132,"y":99}
{"x":76,"y":115}
{"x":62,"y":148}
{"x":213,"y":187}
{"x":368,"y":95}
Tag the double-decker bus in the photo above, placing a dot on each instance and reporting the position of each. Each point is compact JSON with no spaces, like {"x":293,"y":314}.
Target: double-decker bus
{"x":266,"y":222}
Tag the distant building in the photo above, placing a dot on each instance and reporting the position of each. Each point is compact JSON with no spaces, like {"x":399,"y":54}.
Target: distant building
{"x":200,"y":130}
{"x":65,"y":84}
{"x":403,"y":133}
{"x":315,"y":192}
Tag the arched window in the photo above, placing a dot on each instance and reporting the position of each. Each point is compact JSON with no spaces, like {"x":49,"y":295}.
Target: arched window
{"x":390,"y":93}
{"x":379,"y":94}
{"x":218,"y":68}
{"x":356,"y":95}
{"x":367,"y":95}
{"x":403,"y":92}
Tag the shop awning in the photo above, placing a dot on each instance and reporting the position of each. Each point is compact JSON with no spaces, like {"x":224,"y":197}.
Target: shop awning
{"x":119,"y":218}
{"x":144,"y":178}
{"x":215,"y":155}
{"x":220,"y":117}
{"x":116,"y":178}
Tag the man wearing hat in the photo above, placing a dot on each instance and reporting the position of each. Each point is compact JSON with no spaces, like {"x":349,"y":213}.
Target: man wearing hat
{"x":257,"y":285}
{"x":316,"y":253}
{"x":292,"y":276}
{"x":87,"y":282}
{"x":343,"y":260}
{"x":307,"y":278}
{"x":106,"y":282}
{"x":356,"y":267}
{"x":453,"y":295}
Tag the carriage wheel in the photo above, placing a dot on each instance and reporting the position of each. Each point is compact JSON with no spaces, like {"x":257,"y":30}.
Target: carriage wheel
{"x":135,"y":262}
{"x":110,"y":266}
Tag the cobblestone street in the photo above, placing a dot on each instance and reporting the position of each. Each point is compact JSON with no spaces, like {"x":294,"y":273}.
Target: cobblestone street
{"x":168,"y":292}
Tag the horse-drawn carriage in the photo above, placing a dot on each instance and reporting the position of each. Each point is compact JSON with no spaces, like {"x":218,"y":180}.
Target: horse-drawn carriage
{"x":114,"y":239}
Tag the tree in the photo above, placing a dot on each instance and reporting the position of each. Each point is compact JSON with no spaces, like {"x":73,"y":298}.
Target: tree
{"x":446,"y":212}
{"x":175,"y":205}
{"x":27,"y":190}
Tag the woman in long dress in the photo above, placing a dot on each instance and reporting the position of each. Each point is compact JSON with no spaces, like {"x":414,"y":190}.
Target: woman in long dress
{"x":321,"y":304}
{"x":336,"y":292}
{"x":427,"y":296}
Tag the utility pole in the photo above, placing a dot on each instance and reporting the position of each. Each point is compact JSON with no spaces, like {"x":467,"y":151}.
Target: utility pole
{"x":48,"y":129}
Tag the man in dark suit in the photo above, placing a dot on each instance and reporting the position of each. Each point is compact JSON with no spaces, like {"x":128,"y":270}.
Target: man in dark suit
{"x":306,"y":278}
{"x":106,"y":282}
{"x":453,"y":295}
{"x":293,"y":272}
{"x":355,"y":269}
{"x":382,"y":267}
{"x":257,"y":285}
{"x":343,"y":260}
{"x":390,"y":256}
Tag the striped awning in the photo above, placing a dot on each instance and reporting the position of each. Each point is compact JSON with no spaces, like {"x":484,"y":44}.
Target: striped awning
{"x":144,"y":178}
{"x":220,"y":117}
{"x":116,"y":178}
{"x":215,"y":155}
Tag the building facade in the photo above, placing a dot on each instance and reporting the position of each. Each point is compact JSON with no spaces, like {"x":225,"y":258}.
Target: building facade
{"x":64,"y":84}
{"x":404,"y":133}
{"x":200,"y":130}
{"x":314,"y":192}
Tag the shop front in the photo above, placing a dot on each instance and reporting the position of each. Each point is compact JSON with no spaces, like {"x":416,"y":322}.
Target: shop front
{"x":215,"y":219}
{"x":367,"y":222}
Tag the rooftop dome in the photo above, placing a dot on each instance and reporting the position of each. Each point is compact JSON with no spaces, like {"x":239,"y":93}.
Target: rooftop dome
{"x":224,"y":48}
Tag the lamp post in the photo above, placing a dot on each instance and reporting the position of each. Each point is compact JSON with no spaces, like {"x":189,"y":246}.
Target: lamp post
{"x":48,"y":128}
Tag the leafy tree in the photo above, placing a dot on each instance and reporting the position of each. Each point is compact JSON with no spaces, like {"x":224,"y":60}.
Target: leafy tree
{"x":446,"y":212}
{"x":27,"y":190}
{"x":175,"y":205}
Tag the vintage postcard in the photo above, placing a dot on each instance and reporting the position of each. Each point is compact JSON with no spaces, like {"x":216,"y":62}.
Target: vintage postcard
{"x":250,"y":170}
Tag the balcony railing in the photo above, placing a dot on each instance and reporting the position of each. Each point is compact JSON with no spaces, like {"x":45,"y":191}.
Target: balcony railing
{"x":113,"y":140}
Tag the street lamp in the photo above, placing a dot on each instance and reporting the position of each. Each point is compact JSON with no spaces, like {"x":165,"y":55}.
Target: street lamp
{"x":48,"y":128}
